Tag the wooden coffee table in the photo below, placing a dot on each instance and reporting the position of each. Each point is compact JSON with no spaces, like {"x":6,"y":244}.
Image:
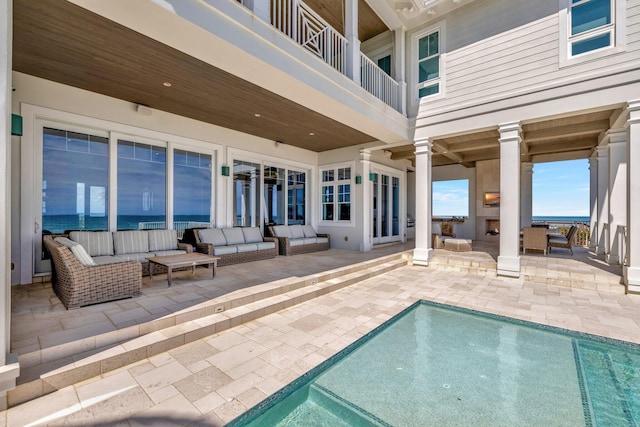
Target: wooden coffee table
{"x":182,"y":260}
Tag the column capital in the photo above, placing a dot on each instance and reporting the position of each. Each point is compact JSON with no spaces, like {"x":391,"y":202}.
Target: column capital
{"x":365,"y":154}
{"x":603,"y":151}
{"x":423,"y":146}
{"x":633,"y":107}
{"x":617,"y":136}
{"x":510,"y":132}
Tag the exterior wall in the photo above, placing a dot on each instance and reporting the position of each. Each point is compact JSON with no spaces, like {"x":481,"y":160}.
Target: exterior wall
{"x":503,"y":56}
{"x":466,"y":229}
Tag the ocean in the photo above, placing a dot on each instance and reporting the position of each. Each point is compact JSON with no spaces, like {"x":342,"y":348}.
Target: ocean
{"x":561,"y":219}
{"x":56,"y":224}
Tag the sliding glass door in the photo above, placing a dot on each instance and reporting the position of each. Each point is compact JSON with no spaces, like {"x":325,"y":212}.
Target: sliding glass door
{"x":386,"y":208}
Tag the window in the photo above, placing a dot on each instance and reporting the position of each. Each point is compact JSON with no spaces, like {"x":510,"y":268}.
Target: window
{"x":429,"y":64}
{"x":450,"y":198}
{"x":191,"y":189}
{"x":336,"y":194}
{"x":385,"y":64}
{"x":296,"y":191}
{"x":246,"y":193}
{"x":142,"y":185}
{"x":274,"y":195}
{"x":75,"y":177}
{"x":591,"y":25}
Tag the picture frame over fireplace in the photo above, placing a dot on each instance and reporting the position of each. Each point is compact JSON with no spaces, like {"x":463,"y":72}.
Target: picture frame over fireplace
{"x":492,"y":199}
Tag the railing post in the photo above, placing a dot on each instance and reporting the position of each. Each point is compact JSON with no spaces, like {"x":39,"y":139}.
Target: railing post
{"x":353,"y":44}
{"x":261,"y":8}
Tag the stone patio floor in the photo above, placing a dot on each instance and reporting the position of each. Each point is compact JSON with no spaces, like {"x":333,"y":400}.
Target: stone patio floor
{"x":211,"y":381}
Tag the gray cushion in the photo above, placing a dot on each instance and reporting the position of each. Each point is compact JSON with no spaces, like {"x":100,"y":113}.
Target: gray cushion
{"x":82,"y":256}
{"x":252,"y":235}
{"x":224,"y":250}
{"x":234,"y":235}
{"x":162,"y":240}
{"x":296,"y":242}
{"x":170,"y":252}
{"x":130,"y":242}
{"x":247,"y":247}
{"x":105,"y":259}
{"x":309,"y":231}
{"x":322,"y":240}
{"x":96,"y":243}
{"x":66,"y":242}
{"x":310,"y":240}
{"x":281,"y":231}
{"x":296,"y":231}
{"x":266,"y":245}
{"x":141,"y":257}
{"x":213,"y":236}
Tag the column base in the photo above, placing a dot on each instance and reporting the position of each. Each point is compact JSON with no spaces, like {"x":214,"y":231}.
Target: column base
{"x":612,"y":259}
{"x":632,"y":279}
{"x":509,"y":266}
{"x":422,"y":256}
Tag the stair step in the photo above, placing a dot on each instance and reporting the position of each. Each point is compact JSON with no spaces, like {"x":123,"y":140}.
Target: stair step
{"x":187,"y":326}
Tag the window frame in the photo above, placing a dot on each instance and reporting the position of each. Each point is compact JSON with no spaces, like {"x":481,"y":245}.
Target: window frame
{"x":336,"y":185}
{"x":616,"y":29}
{"x":440,"y":28}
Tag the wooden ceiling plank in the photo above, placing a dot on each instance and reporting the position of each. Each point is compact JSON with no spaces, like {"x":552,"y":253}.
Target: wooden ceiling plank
{"x":589,"y":128}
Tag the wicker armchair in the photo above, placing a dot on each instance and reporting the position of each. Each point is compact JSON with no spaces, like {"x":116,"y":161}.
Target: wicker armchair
{"x":534,"y":238}
{"x":77,"y":285}
{"x":563,"y":242}
{"x":192,"y":237}
{"x":287,"y":248}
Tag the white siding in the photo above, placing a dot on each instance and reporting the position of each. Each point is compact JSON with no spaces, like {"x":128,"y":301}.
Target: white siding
{"x":499,"y":49}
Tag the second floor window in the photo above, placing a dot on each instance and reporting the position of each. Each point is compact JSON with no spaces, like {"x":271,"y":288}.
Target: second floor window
{"x":591,"y":26}
{"x":429,"y":64}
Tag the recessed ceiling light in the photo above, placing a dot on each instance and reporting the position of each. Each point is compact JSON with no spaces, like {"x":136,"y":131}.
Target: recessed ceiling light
{"x":257,"y":114}
{"x":167,"y":84}
{"x":311,"y":133}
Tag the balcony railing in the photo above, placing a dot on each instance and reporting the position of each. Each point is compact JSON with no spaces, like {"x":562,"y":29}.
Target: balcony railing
{"x":179,"y":226}
{"x":302,"y":24}
{"x":378,"y":83}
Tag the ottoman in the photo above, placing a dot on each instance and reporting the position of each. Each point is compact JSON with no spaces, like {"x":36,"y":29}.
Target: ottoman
{"x":458,"y":245}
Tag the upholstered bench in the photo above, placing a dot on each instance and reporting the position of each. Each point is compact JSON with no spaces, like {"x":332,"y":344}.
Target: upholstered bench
{"x":458,"y":245}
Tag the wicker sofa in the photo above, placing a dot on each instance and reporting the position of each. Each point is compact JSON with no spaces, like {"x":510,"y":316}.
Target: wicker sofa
{"x":233,"y":245}
{"x":299,"y":239}
{"x":106,"y":247}
{"x":77,"y":285}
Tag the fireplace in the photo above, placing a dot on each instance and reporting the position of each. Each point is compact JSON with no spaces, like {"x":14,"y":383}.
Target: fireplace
{"x":492,"y":227}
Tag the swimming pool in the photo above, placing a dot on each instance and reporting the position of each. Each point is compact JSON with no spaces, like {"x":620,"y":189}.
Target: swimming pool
{"x":440,"y":365}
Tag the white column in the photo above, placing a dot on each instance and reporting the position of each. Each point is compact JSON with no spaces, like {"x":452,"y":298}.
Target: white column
{"x":423,"y":251}
{"x":261,"y":8}
{"x":367,"y":186}
{"x":632,"y":269}
{"x":603,"y":199}
{"x":509,"y":258}
{"x":526,"y":194}
{"x":399,"y":70}
{"x":593,"y":201}
{"x":351,"y":34}
{"x":617,"y":193}
{"x":9,"y":368}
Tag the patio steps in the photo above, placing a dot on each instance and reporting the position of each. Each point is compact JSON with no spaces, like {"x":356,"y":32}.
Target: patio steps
{"x":50,"y":369}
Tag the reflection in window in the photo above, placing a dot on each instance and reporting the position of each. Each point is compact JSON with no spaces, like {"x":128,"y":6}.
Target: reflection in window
{"x":191,"y":189}
{"x":74,"y":181}
{"x":429,"y":65}
{"x":296,"y":188}
{"x":274,"y":199}
{"x":336,"y":194}
{"x":246,"y":193}
{"x":141,"y":185}
{"x":395,"y":205}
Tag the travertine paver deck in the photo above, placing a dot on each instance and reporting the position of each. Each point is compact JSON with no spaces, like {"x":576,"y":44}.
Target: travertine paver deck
{"x":212,"y":380}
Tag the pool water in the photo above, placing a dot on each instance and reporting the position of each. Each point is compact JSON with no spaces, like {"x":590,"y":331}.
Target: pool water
{"x":445,"y":366}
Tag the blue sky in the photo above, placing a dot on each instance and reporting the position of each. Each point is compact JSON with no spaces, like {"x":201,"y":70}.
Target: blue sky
{"x":559,"y":189}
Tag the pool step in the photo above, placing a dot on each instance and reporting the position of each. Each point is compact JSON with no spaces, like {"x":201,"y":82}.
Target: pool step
{"x":344,"y":410}
{"x":78,"y":361}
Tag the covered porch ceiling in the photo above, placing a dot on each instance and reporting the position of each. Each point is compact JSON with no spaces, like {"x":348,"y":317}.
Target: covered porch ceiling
{"x":570,"y":137}
{"x":59,"y":41}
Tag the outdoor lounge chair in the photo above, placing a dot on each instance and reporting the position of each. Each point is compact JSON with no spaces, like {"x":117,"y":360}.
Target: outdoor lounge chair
{"x":562,"y":241}
{"x":534,"y":238}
